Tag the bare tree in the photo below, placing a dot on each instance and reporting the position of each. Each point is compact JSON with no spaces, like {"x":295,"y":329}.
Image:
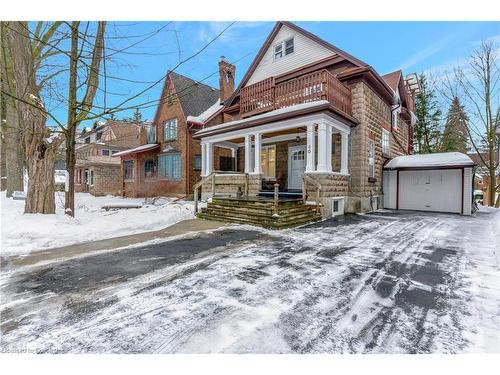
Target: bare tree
{"x":78,"y":110}
{"x":40,"y":145}
{"x":477,"y":82}
{"x":10,"y":122}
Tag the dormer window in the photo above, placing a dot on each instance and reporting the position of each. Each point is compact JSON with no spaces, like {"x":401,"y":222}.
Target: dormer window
{"x":283,"y":48}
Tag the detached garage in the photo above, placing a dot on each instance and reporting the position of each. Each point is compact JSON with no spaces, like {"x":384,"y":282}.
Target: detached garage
{"x":430,"y":182}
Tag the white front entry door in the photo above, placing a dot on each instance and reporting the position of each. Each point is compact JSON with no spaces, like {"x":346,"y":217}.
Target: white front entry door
{"x":296,"y":166}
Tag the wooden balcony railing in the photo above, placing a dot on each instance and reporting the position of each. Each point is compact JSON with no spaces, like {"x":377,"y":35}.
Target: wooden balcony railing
{"x":266,"y":96}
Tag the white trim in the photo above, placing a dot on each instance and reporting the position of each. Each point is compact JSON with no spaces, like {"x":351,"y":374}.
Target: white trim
{"x":257,"y":152}
{"x":329,"y":173}
{"x":341,"y":208}
{"x":248,"y":145}
{"x":311,"y":148}
{"x":344,"y":154}
{"x":290,"y":150}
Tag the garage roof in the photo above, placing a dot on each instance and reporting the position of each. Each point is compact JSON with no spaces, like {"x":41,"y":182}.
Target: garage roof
{"x":444,"y":159}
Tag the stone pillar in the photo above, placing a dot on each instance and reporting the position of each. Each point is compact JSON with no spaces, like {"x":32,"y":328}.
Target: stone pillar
{"x":210,"y":158}
{"x":248,"y":152}
{"x":310,"y":149}
{"x":344,"y":153}
{"x":324,"y":145}
{"x":203,"y":159}
{"x":258,"y":149}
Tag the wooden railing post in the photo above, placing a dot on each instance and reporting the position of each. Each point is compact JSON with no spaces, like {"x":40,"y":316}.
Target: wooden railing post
{"x":213,"y":185}
{"x":246,"y":184}
{"x":276,"y":199}
{"x":304,"y":190}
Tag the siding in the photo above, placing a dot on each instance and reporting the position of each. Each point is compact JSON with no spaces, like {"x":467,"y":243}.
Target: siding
{"x":390,"y":189}
{"x":305,"y":52}
{"x":467,"y":191}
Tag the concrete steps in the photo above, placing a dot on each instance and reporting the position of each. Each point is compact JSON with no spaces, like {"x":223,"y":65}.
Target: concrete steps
{"x":291,"y":212}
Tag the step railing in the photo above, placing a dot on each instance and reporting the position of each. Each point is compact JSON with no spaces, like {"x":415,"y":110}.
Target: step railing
{"x":305,"y":180}
{"x":212,"y":177}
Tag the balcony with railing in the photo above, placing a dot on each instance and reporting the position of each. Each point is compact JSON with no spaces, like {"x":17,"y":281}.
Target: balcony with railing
{"x":266,"y":95}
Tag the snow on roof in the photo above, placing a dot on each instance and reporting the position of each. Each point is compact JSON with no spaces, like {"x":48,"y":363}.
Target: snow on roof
{"x":296,"y":107}
{"x":201,"y":118}
{"x":430,"y":160}
{"x":149,"y":146}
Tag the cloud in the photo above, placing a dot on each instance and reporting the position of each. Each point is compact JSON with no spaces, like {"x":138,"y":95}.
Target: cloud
{"x":427,"y":52}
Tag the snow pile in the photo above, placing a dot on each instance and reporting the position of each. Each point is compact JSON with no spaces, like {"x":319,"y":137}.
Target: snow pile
{"x":207,"y":114}
{"x":24,"y":233}
{"x":430,"y":160}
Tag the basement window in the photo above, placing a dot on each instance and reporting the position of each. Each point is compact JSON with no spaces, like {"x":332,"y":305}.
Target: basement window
{"x":337,"y":206}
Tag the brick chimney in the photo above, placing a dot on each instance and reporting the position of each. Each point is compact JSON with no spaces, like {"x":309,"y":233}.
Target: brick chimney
{"x":226,"y":79}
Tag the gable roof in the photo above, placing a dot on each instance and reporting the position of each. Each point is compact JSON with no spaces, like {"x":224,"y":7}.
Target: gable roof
{"x":393,"y":78}
{"x":194,"y":97}
{"x":267,"y":43}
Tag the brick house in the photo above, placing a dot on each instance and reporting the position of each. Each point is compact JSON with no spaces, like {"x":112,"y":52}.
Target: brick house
{"x":168,"y":163}
{"x":309,"y":118}
{"x":96,"y":170}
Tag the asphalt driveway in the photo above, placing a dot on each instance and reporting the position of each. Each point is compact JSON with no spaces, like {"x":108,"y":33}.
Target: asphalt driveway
{"x":386,"y":282}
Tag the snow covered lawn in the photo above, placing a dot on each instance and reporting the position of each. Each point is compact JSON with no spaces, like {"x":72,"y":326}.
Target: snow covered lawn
{"x":403,"y":282}
{"x":23,"y":233}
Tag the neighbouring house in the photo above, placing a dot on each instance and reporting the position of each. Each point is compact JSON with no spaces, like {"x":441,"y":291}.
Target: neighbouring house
{"x":168,"y":163}
{"x":96,"y":170}
{"x":312,"y":123}
{"x":482,"y":174}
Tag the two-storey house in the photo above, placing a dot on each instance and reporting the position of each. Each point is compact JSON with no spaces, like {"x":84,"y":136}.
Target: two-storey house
{"x":307,"y":120}
{"x":96,"y":170}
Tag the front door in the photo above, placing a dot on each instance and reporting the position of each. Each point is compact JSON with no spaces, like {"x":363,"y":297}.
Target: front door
{"x":296,"y":166}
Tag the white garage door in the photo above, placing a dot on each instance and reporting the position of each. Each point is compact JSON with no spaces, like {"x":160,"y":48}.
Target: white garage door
{"x":431,"y":190}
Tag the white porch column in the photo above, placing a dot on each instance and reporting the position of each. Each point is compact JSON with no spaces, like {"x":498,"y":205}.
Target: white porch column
{"x":257,"y":168}
{"x":210,"y":158}
{"x":203,"y":159}
{"x":329,"y":148}
{"x":344,"y":153}
{"x":311,"y":147}
{"x":322,"y":148}
{"x":234,"y":155}
{"x":248,"y":152}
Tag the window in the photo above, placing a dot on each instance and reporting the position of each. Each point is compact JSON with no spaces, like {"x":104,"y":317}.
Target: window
{"x":169,"y":166}
{"x":150,"y":168}
{"x":396,"y":110}
{"x":371,"y":159}
{"x":87,"y":140}
{"x":197,"y":162}
{"x":128,"y":169}
{"x":284,"y":48}
{"x":337,"y":206}
{"x":104,"y":152}
{"x":98,"y":136}
{"x":170,"y":130}
{"x":89,"y":177}
{"x":386,"y":146}
{"x":113,"y":152}
{"x":151,"y":133}
{"x":268,"y":160}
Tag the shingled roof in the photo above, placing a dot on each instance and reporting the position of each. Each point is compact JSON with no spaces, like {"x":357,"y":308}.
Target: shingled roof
{"x":392,"y":79}
{"x":195,"y":97}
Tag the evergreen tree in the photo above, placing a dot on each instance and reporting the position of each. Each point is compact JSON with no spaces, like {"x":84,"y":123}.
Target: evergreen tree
{"x":455,"y":136}
{"x":137,"y":116}
{"x":427,"y":133}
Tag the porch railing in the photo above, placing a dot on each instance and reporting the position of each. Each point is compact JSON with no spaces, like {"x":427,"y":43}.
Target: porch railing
{"x":212,"y":178}
{"x":305,"y":180}
{"x":266,"y":95}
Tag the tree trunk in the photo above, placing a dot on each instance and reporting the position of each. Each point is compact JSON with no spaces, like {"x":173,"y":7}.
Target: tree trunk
{"x":40,"y":196}
{"x":13,"y":150}
{"x":39,"y":148}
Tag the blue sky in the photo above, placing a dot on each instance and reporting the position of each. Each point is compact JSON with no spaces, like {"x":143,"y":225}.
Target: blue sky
{"x":387,"y":46}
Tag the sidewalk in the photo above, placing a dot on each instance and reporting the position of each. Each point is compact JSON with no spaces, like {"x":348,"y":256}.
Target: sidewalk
{"x":66,"y":252}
